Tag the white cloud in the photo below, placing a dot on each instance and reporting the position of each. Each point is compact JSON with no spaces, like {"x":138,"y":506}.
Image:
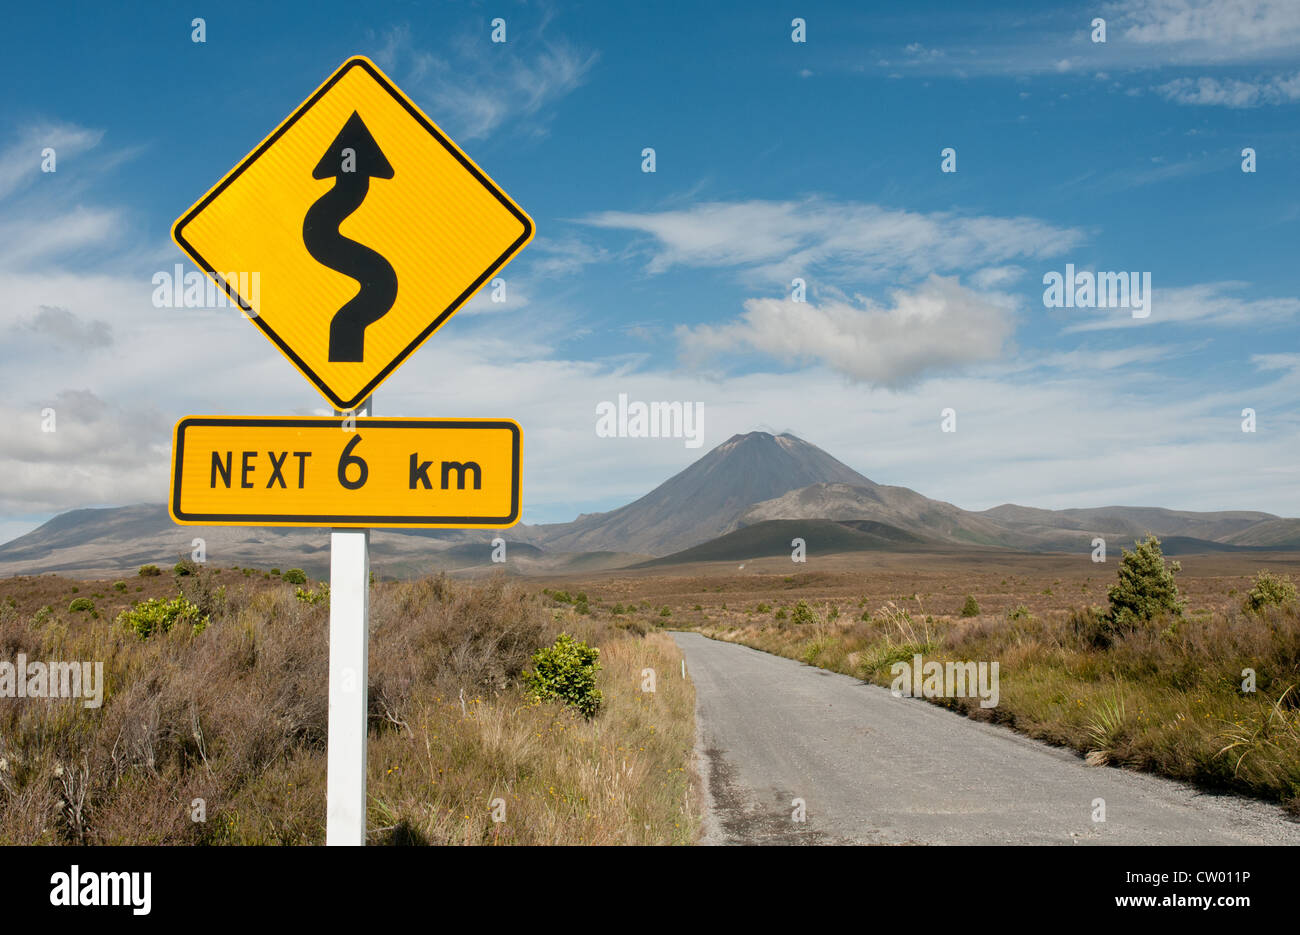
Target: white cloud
{"x":994,"y":276}
{"x":63,"y":327}
{"x":1142,"y":34}
{"x":1205,"y":303}
{"x":851,"y":241}
{"x":1230,"y":92}
{"x":483,"y":86}
{"x":940,"y":326}
{"x":1212,"y":30}
{"x":96,"y":453}
{"x":20,"y":162}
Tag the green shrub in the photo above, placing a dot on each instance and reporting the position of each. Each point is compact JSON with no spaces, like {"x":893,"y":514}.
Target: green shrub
{"x":971,"y":608}
{"x":567,"y":671}
{"x":320,"y":596}
{"x":295,"y":576}
{"x":119,"y":585}
{"x":1269,"y":589}
{"x":802,"y":613}
{"x":184,"y":568}
{"x":81,"y":603}
{"x":43,"y":614}
{"x":763,"y":608}
{"x":616,"y":609}
{"x":780,"y":614}
{"x":1019,"y":612}
{"x":158,"y":614}
{"x":665,"y":612}
{"x":276,"y":572}
{"x":1146,"y":587}
{"x":149,"y":571}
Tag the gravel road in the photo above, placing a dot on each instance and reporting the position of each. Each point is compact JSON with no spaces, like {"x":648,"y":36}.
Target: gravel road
{"x":875,"y":769}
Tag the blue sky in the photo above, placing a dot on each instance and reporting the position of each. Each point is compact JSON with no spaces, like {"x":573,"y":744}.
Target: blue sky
{"x":774,"y":159}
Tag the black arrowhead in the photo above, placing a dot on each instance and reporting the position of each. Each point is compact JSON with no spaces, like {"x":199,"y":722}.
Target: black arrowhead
{"x":370,"y":159}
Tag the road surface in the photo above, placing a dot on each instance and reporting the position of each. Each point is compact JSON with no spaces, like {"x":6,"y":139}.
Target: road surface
{"x":874,"y":769}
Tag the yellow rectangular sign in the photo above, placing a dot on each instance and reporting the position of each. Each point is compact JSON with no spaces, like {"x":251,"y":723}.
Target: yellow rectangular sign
{"x":335,"y":471}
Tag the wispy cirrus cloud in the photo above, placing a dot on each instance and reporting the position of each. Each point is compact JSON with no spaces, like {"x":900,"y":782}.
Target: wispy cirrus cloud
{"x":20,"y":161}
{"x":473,"y":87}
{"x":1213,"y":303}
{"x":853,"y":241}
{"x":1141,"y":35}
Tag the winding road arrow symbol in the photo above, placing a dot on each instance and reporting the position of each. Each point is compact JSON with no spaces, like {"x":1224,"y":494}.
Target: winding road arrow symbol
{"x":352,"y":160}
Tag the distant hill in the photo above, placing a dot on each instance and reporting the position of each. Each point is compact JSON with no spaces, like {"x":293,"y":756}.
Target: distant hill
{"x":773,"y":538}
{"x":747,"y":498}
{"x":897,"y":507}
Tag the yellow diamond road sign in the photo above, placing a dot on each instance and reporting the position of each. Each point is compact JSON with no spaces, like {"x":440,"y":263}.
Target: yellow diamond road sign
{"x":364,"y":227}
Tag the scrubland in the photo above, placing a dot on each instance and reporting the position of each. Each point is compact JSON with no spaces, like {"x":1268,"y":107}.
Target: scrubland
{"x":216,"y":734}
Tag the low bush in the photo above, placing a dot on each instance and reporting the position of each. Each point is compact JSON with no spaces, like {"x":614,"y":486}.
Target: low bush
{"x":802,"y":613}
{"x":566,"y":671}
{"x":1269,"y":590}
{"x":317,"y":596}
{"x":158,"y":614}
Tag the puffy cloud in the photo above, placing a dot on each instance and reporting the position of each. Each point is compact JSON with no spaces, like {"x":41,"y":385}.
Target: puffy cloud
{"x":65,"y":328}
{"x":1212,"y":30}
{"x":937,"y":327}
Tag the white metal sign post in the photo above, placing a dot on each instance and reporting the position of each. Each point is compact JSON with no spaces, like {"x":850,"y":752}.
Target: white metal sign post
{"x":345,"y":796}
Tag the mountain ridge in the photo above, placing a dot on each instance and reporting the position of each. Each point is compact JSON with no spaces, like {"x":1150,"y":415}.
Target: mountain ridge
{"x":751,"y":479}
